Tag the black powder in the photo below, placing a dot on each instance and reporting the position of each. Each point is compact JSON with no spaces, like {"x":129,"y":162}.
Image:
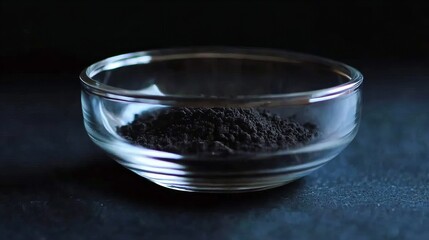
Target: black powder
{"x":216,"y":131}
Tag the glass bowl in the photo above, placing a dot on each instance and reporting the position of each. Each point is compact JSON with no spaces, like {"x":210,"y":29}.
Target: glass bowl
{"x":308,"y":88}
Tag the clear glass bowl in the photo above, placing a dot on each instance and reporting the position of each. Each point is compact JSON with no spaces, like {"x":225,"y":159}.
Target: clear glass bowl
{"x":312,"y":89}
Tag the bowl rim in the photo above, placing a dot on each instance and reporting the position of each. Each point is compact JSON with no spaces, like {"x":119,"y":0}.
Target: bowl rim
{"x":355,"y":78}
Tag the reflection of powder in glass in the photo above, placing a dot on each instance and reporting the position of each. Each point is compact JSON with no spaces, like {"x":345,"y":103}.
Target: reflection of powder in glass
{"x":131,"y":109}
{"x":216,"y":131}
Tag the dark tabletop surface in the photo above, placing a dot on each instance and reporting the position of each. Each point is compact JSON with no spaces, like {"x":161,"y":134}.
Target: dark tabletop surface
{"x":56,"y":184}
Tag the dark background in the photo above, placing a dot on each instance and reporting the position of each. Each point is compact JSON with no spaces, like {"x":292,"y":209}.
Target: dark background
{"x":65,"y":36}
{"x":56,"y":184}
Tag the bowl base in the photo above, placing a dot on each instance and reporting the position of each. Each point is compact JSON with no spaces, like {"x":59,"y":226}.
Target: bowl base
{"x":224,"y":185}
{"x":221,"y":189}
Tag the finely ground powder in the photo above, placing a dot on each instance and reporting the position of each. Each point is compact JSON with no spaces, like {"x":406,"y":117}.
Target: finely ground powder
{"x":216,"y":131}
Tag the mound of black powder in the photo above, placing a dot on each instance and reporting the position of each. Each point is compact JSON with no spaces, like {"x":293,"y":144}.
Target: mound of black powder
{"x":216,"y":131}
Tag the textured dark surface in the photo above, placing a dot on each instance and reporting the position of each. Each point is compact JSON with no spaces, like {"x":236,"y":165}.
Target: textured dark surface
{"x":55,"y":184}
